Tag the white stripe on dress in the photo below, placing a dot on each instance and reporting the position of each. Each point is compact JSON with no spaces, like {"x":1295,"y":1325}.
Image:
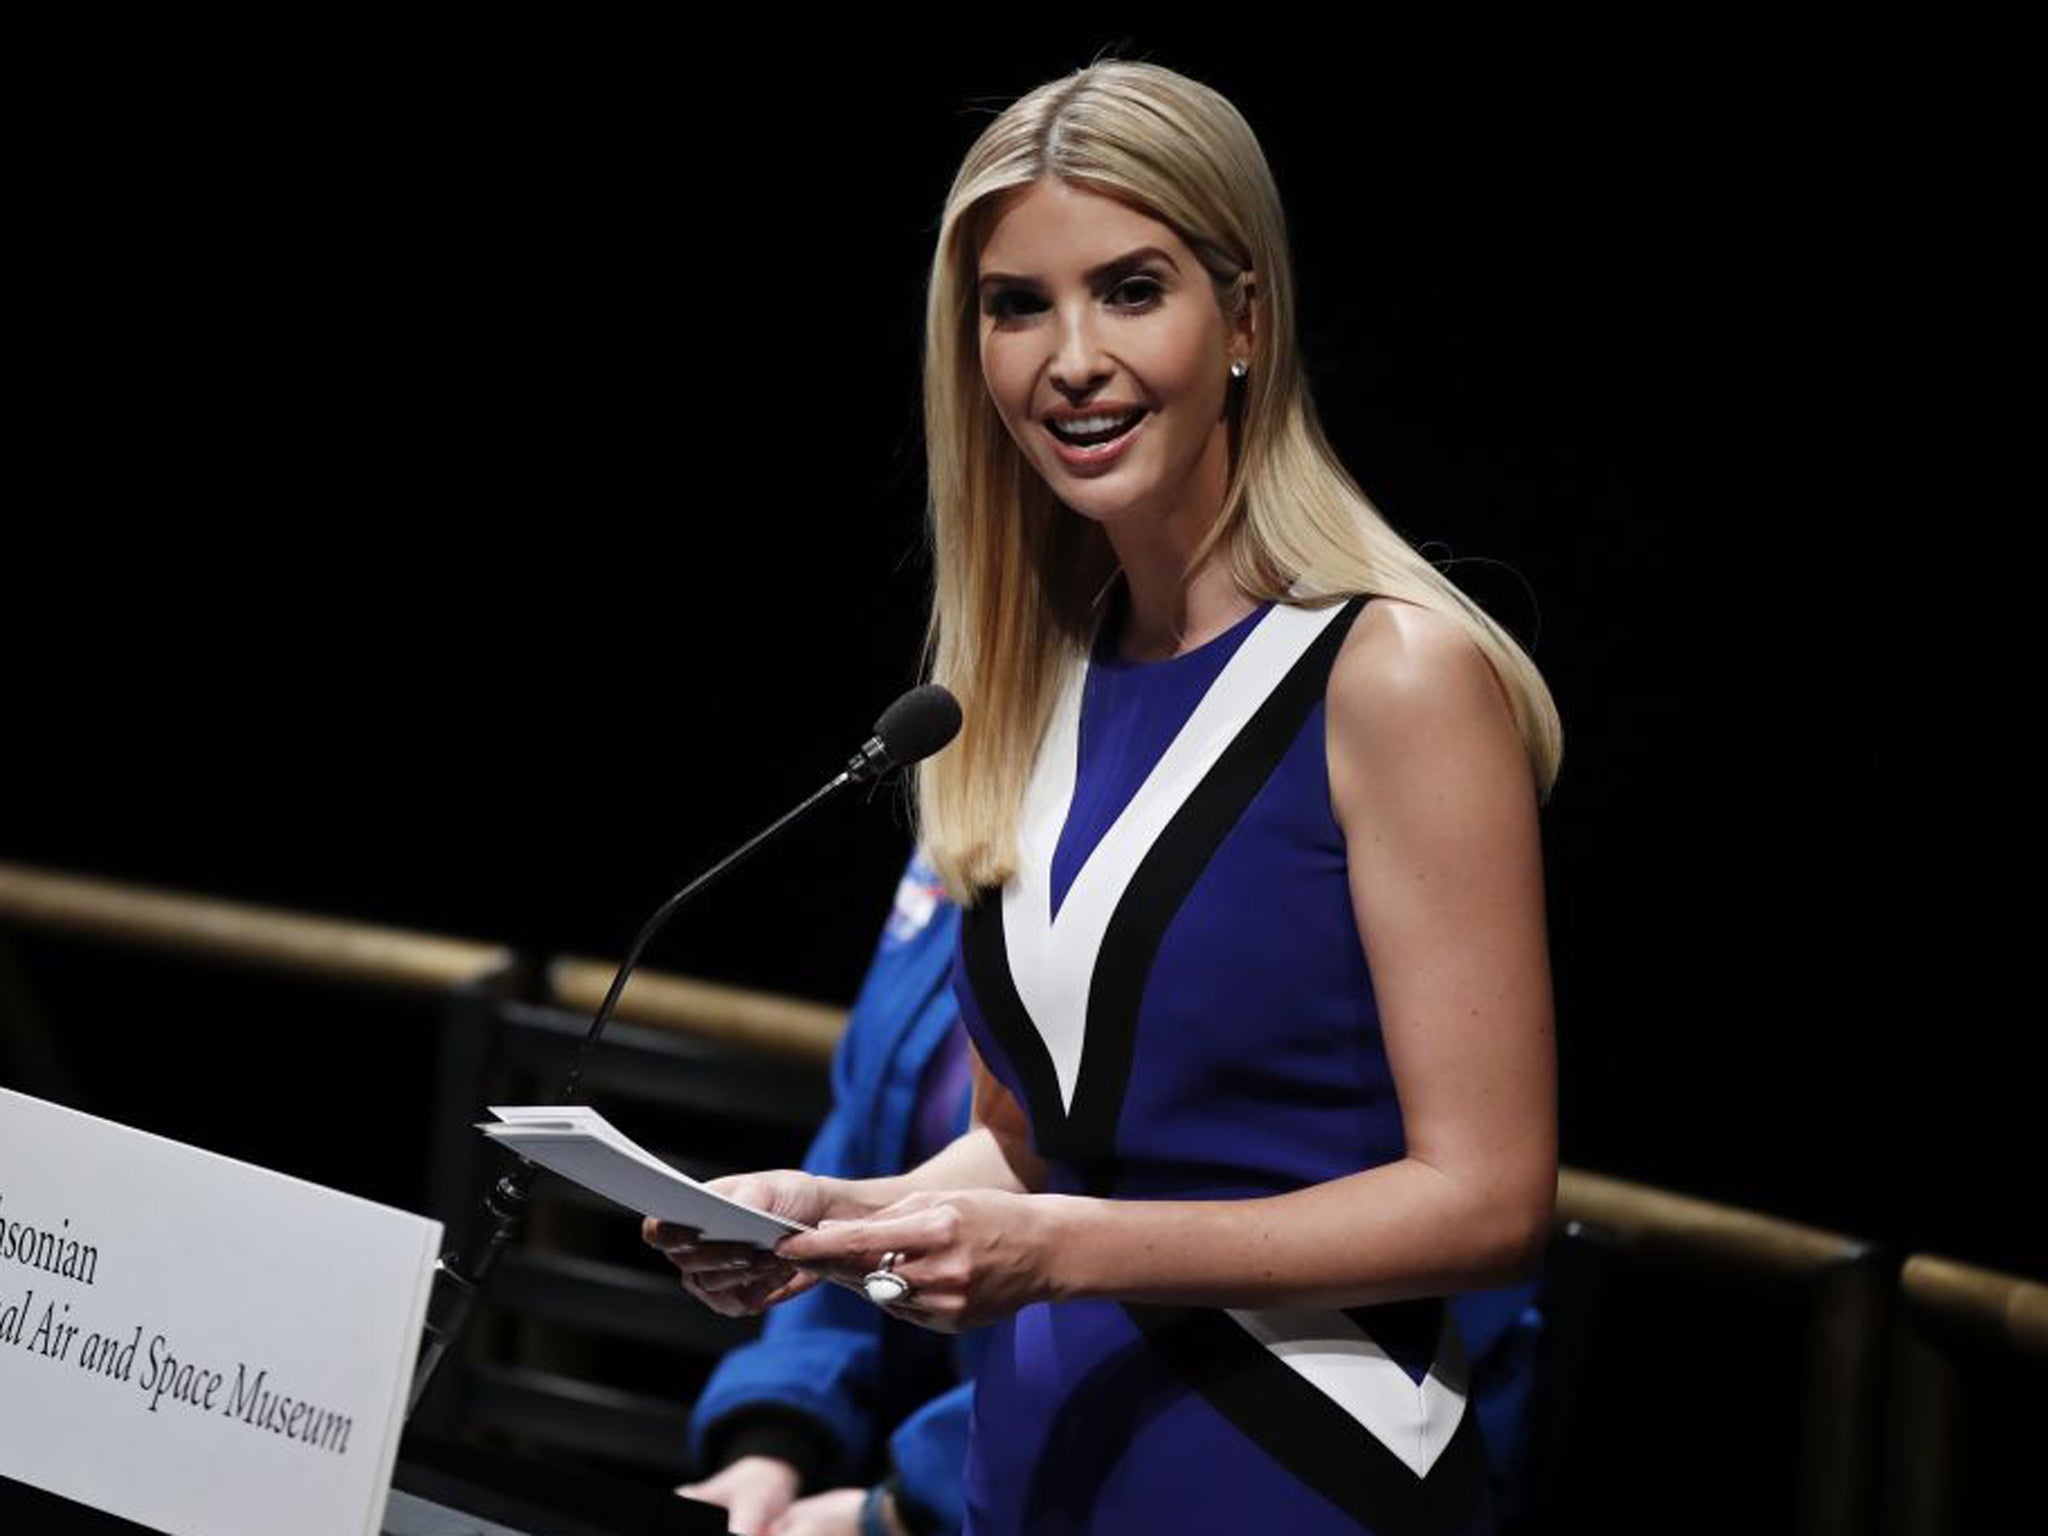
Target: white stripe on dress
{"x":1341,"y":1360}
{"x":1052,"y":961}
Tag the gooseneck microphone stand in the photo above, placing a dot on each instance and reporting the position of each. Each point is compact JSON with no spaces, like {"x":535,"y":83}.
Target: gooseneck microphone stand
{"x":913,"y":728}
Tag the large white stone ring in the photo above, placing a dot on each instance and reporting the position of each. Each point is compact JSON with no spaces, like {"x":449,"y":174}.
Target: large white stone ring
{"x":884,"y":1285}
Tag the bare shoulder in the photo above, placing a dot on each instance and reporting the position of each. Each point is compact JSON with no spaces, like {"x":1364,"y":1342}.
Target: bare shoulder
{"x":1402,"y":658}
{"x":1412,"y":695}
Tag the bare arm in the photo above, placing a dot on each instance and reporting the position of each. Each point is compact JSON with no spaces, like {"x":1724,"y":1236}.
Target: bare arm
{"x":993,"y":1158}
{"x":1432,"y":787}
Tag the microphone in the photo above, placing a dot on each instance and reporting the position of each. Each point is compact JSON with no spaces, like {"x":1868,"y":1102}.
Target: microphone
{"x":910,"y":730}
{"x":914,"y":727}
{"x":918,"y":724}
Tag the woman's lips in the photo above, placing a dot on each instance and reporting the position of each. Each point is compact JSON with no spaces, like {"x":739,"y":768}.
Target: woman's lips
{"x":1097,"y":454}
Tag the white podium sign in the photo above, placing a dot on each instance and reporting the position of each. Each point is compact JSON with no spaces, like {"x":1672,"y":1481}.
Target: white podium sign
{"x":196,"y":1344}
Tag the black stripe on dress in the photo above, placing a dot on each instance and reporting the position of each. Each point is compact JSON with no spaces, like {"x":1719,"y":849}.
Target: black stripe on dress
{"x":1309,"y":1434}
{"x":983,"y":946}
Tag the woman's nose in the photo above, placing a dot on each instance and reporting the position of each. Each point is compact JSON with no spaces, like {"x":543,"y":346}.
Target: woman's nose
{"x":1078,"y":365}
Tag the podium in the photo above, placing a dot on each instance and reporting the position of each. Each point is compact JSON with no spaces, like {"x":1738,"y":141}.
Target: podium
{"x":443,"y":1488}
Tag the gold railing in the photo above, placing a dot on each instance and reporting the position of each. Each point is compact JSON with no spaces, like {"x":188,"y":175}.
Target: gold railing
{"x":737,"y":1016}
{"x":241,"y":933}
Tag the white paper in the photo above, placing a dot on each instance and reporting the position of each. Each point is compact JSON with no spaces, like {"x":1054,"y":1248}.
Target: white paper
{"x":581,"y":1145}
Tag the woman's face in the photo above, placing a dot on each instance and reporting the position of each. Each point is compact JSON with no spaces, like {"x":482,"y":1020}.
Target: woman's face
{"x":1098,"y":320}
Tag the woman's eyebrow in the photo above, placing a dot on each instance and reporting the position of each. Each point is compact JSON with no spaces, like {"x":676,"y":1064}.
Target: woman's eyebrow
{"x":1115,"y":266}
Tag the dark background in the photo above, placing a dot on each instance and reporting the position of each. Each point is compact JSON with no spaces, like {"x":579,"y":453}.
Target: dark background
{"x":468,"y":484}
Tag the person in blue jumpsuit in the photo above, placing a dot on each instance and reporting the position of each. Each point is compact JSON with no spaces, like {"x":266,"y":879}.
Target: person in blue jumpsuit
{"x":867,"y":1414}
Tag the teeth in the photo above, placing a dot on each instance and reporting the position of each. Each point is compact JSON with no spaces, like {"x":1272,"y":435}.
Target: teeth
{"x":1088,"y":426}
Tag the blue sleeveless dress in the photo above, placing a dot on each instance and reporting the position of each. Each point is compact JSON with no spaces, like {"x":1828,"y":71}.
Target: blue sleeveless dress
{"x":1173,"y":987}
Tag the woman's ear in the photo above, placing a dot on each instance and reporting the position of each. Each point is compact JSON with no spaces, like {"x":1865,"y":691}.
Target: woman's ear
{"x":1244,"y":324}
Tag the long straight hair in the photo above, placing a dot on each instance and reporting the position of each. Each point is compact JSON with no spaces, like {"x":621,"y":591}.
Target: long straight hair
{"x":1016,"y":576}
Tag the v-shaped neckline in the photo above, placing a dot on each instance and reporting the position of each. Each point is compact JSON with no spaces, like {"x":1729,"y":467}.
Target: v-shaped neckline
{"x":1052,"y":959}
{"x":1184,"y":679}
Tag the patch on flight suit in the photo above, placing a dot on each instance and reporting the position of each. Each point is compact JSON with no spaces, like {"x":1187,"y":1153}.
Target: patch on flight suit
{"x":918,"y":895}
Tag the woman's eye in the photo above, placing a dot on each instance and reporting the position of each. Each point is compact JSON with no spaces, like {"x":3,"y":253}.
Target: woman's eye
{"x":1132,"y":295}
{"x":1136,"y":292}
{"x":1009,"y":303}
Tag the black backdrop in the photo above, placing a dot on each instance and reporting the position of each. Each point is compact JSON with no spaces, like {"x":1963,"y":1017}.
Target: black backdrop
{"x":470,"y":483}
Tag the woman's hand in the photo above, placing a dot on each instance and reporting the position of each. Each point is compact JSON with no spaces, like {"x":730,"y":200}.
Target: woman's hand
{"x":970,"y":1256}
{"x":739,"y":1279}
{"x":754,"y":1491}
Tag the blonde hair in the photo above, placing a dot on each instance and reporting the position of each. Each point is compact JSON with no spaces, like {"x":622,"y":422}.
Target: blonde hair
{"x":1016,"y":576}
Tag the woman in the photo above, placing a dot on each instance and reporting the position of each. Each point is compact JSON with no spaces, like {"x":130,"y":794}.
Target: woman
{"x":1244,"y":815}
